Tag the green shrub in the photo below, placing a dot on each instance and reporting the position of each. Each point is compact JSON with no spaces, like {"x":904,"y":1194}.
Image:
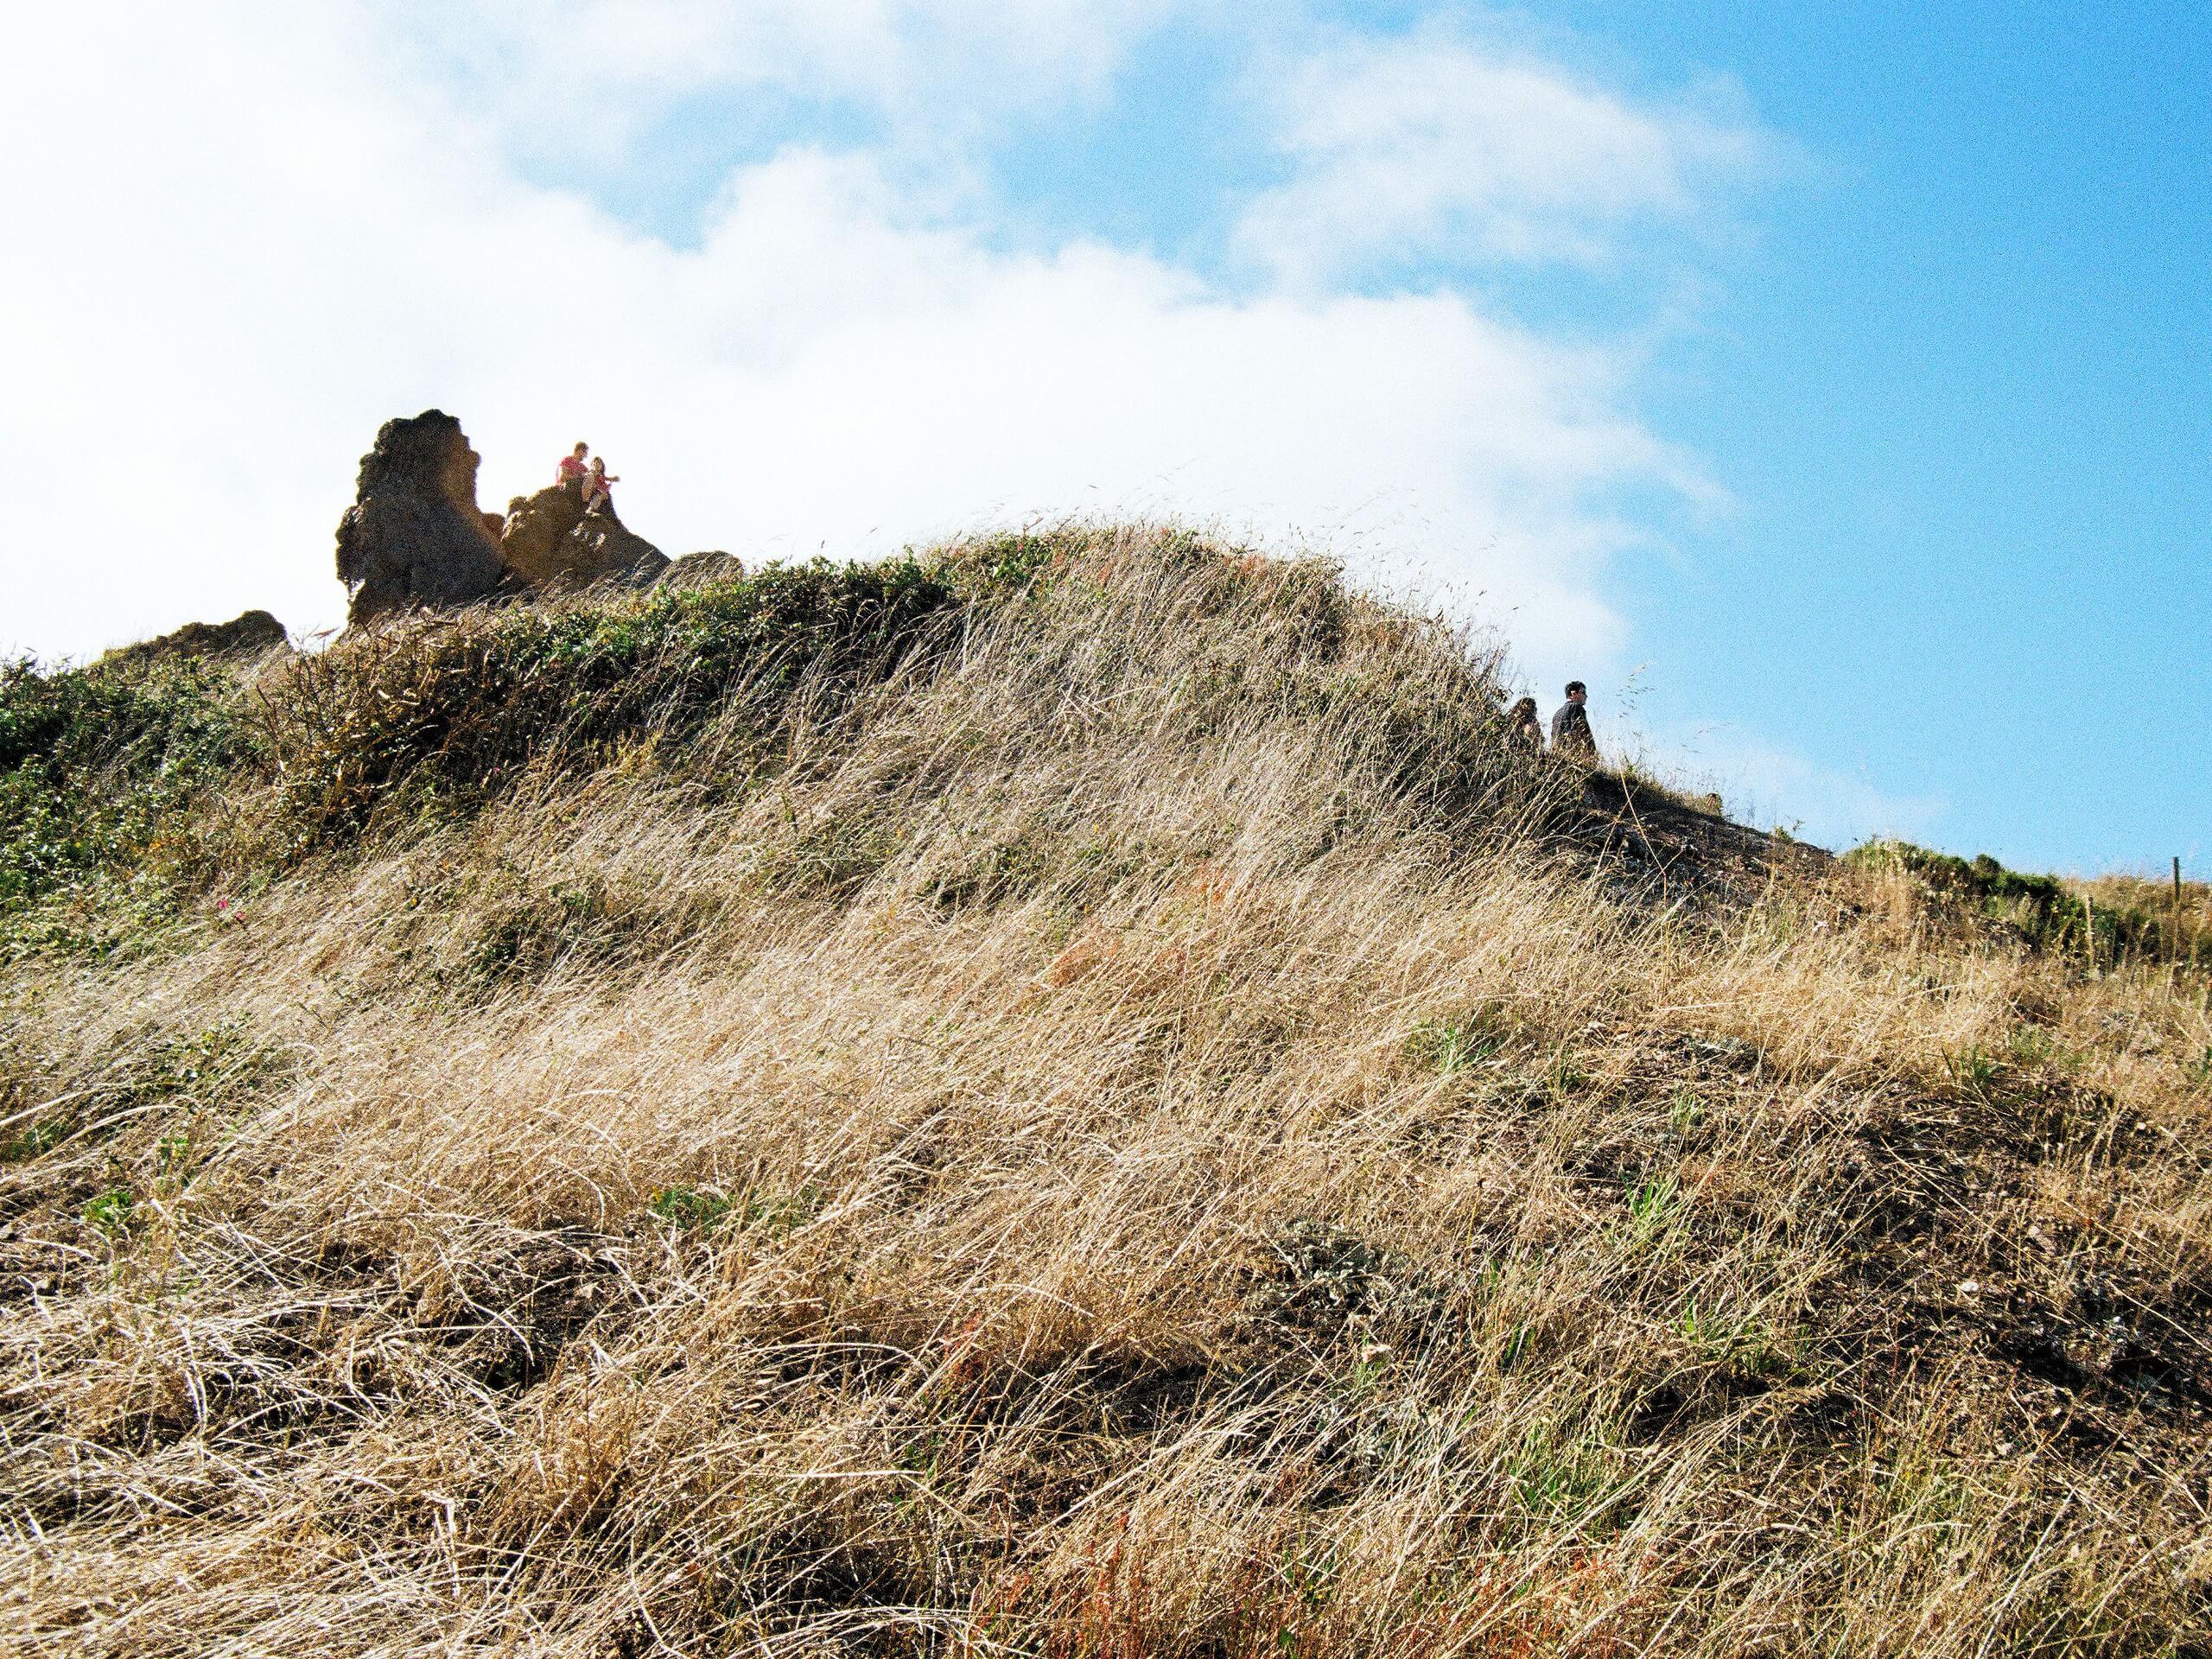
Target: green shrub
{"x":2037,"y":911}
{"x":100,"y":769}
{"x":111,"y":1212}
{"x":453,"y":712}
{"x":689,"y":1211}
{"x":692,"y":1210}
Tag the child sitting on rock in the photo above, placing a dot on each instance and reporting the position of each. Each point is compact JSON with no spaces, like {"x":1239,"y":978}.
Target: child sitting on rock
{"x":595,"y":483}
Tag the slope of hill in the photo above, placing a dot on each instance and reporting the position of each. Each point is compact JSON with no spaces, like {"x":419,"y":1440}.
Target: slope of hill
{"x":1068,"y":1096}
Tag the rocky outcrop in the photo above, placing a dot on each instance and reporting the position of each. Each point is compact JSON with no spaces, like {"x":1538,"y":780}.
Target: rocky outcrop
{"x":701,"y":569}
{"x":250,"y":634}
{"x":548,"y":541}
{"x":414,"y":536}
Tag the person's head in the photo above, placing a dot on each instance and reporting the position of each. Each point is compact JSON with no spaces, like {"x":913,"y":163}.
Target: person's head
{"x":598,"y":464}
{"x":1525,"y":710}
{"x":578,"y":452}
{"x":1576,"y":692}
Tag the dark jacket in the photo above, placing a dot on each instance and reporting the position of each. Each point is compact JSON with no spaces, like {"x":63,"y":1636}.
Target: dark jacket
{"x":1571,"y":732}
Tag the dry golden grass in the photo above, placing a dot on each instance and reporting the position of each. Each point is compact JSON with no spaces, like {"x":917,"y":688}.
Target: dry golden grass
{"x":1080,"y":1158}
{"x":2181,"y":922}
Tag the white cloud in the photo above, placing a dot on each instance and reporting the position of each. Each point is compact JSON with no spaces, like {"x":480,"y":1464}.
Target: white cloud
{"x":1768,"y":783}
{"x":1437,"y":145}
{"x":241,"y":236}
{"x":570,"y":78}
{"x":241,"y":242}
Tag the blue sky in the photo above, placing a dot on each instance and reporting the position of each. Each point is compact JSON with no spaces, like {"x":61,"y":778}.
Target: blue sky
{"x":1827,"y":386}
{"x":1963,"y":388}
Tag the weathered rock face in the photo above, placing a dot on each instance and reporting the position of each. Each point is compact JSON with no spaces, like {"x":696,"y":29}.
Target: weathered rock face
{"x":414,"y":536}
{"x":550,"y":542}
{"x":603,"y":544}
{"x":247,"y":635}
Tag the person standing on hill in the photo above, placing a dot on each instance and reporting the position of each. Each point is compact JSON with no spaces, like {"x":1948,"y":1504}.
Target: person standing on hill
{"x":1570,"y":736}
{"x":572,"y":467}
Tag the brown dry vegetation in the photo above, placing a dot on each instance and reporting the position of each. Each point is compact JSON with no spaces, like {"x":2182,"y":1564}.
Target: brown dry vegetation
{"x":1138,"y":1134}
{"x":2180,"y":922}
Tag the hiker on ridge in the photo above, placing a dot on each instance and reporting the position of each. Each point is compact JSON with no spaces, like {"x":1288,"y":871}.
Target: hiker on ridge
{"x":572,"y":467}
{"x":1524,"y":729}
{"x":595,"y":483}
{"x":1571,"y":736}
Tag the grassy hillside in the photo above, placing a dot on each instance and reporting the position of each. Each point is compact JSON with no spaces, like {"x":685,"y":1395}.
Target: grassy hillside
{"x":2111,"y":921}
{"x":1068,"y":1096}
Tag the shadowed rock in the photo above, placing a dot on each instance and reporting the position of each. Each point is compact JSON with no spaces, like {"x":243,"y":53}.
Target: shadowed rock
{"x":414,"y":536}
{"x":248,"y":634}
{"x":550,"y":542}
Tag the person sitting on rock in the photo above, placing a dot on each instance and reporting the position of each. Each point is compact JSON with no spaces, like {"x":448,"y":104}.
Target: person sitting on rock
{"x":1523,"y":729}
{"x":572,"y":467}
{"x":1570,"y":736}
{"x":595,"y":483}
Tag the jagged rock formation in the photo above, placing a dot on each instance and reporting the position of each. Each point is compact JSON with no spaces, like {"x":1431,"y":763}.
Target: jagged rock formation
{"x":550,"y":542}
{"x":248,"y":635}
{"x":414,"y":536}
{"x":697,"y":569}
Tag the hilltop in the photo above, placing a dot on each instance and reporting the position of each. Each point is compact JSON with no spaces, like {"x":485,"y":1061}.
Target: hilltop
{"x":1061,"y":1095}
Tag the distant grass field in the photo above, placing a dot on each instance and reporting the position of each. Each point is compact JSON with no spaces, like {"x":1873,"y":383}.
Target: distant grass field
{"x":1064,"y":1095}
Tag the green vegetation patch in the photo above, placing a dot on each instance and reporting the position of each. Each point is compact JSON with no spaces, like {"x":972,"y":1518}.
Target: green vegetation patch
{"x":453,"y":712}
{"x":100,"y":769}
{"x":705,"y":1210}
{"x":2040,"y":912}
{"x":111,"y":1213}
{"x":107,"y":771}
{"x":1447,"y":1046}
{"x":34,"y":1141}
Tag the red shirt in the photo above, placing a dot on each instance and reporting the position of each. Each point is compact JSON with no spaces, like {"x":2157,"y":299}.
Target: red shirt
{"x":570,"y":468}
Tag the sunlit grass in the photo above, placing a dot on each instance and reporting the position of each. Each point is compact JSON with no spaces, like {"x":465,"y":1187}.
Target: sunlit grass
{"x":1138,"y":1129}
